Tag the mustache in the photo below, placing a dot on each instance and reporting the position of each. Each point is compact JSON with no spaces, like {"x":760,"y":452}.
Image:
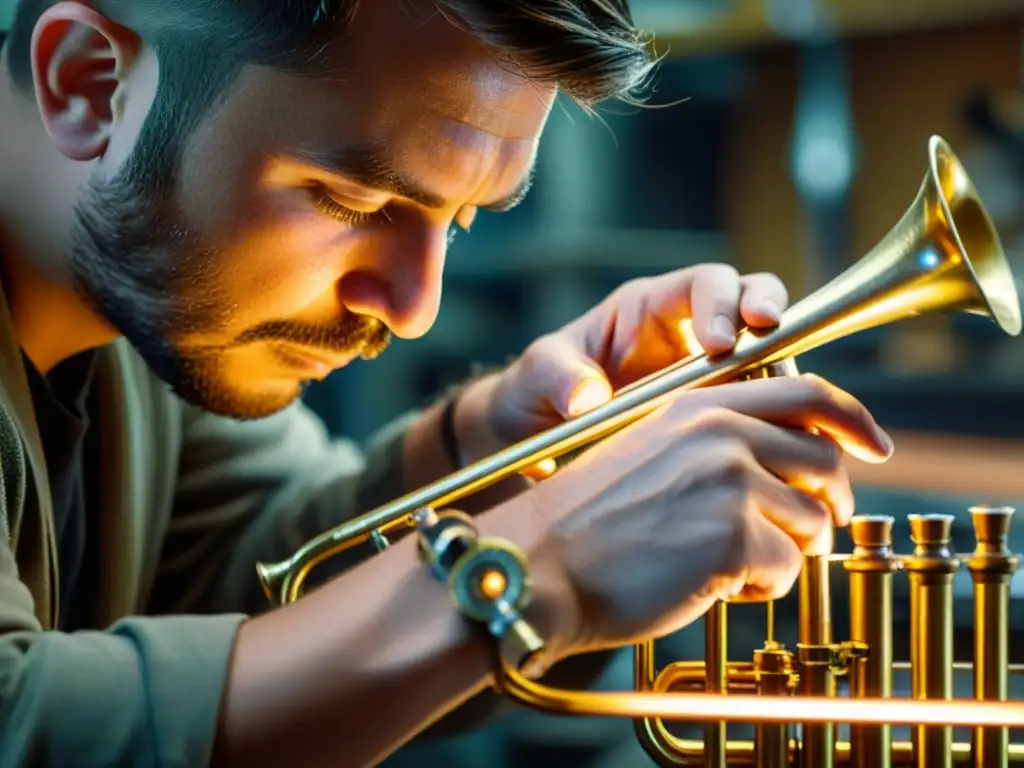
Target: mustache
{"x":351,"y":333}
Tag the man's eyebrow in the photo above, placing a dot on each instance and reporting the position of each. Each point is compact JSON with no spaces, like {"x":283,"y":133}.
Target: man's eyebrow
{"x":518,"y":194}
{"x":369,"y":165}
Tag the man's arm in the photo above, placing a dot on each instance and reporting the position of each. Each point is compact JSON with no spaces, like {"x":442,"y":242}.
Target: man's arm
{"x":354,"y":670}
{"x":256,"y":491}
{"x":341,"y":678}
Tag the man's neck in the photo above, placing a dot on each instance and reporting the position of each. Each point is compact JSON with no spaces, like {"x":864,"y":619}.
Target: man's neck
{"x":37,"y":193}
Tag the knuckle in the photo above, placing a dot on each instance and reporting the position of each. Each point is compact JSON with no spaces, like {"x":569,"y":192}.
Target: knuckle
{"x":831,"y":455}
{"x":730,"y":469}
{"x":637,"y":286}
{"x":765,"y":277}
{"x":717,"y":271}
{"x":817,"y":390}
{"x":816,"y":385}
{"x":769,"y":281}
{"x":536,"y":355}
{"x":714,"y":423}
{"x":720,"y":267}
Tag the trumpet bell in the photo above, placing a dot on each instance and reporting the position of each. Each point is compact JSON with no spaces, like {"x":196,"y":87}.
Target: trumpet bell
{"x":943,"y":255}
{"x":949,"y":205}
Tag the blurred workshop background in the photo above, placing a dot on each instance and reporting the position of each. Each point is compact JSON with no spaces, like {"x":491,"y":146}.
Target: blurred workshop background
{"x":799,"y":139}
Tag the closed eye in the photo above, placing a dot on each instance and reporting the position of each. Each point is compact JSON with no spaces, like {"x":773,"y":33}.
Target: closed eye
{"x":328,"y":206}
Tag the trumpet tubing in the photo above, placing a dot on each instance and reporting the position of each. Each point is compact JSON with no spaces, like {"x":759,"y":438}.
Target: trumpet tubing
{"x":943,"y":255}
{"x":866,"y":661}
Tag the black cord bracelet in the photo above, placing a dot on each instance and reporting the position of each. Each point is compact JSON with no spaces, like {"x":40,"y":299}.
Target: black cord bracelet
{"x":448,"y":439}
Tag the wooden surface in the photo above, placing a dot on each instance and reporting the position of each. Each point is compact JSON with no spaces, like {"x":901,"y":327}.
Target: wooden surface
{"x":990,"y":471}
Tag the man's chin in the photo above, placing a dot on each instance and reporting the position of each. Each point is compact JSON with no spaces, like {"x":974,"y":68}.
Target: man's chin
{"x":249,"y":403}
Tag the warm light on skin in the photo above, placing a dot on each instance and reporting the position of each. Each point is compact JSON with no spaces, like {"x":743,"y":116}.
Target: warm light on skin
{"x":689,"y":338}
{"x":295,"y":231}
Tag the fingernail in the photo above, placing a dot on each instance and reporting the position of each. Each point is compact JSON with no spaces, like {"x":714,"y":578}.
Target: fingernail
{"x":723,"y":328}
{"x":588,"y":395}
{"x":771,"y":308}
{"x":886,"y":441}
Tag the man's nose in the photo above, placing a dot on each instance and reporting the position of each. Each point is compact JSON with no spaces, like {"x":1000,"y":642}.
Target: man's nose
{"x":399,"y":281}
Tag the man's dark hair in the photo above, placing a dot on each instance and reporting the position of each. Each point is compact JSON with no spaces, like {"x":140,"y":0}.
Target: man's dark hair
{"x":589,"y":48}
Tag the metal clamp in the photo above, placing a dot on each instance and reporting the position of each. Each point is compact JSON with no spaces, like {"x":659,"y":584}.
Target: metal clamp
{"x":487,"y":578}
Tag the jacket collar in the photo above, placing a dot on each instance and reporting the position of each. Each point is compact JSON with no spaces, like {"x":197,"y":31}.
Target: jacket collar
{"x":33,"y":540}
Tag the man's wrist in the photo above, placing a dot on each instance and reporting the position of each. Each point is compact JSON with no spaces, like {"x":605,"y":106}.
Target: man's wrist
{"x":470,"y":414}
{"x":433,"y":449}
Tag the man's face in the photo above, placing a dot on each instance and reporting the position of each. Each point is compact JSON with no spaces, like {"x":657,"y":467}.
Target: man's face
{"x":310,"y":217}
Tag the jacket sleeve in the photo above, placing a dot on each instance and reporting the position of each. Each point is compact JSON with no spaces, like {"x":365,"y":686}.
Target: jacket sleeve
{"x":256,"y":491}
{"x":146,"y":692}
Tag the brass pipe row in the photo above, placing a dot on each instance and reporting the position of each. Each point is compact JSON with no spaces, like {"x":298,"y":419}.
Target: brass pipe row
{"x":815,"y":656}
{"x":931,"y":569}
{"x":716,"y":640}
{"x":686,"y":752}
{"x":992,"y":567}
{"x":744,"y":675}
{"x":870,"y":568}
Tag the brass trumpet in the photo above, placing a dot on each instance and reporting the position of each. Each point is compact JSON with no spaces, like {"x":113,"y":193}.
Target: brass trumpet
{"x":944,"y":255}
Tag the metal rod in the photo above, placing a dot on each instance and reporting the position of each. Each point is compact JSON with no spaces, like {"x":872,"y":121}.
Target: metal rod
{"x":992,"y":566}
{"x":870,"y":568}
{"x":716,"y":643}
{"x":743,"y":708}
{"x":774,"y":669}
{"x":931,"y":570}
{"x":815,"y":655}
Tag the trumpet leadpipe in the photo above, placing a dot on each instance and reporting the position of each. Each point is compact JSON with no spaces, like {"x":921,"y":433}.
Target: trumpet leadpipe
{"x":870,"y":568}
{"x":931,"y":567}
{"x":992,"y":567}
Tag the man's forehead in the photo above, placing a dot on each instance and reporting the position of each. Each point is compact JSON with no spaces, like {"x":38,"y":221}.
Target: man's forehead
{"x":415,"y":58}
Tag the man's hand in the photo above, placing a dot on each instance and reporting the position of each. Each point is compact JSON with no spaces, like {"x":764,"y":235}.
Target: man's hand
{"x":718,"y":493}
{"x":640,"y":328}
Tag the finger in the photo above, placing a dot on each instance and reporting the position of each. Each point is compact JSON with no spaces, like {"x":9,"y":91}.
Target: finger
{"x":802,"y":517}
{"x":811,"y":465}
{"x":559,"y":373}
{"x":715,"y":306}
{"x":772,"y":563}
{"x":763,"y":300}
{"x":806,"y":402}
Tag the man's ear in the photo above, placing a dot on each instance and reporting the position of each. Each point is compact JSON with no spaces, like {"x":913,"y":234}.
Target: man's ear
{"x":79,"y":60}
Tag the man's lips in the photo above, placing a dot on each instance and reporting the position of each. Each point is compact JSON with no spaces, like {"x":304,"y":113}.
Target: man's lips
{"x":316,"y":362}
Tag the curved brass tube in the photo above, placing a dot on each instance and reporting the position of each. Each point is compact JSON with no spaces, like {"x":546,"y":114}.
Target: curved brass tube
{"x":742,"y":708}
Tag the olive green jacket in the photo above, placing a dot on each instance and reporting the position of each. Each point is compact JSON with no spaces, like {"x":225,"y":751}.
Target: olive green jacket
{"x":191,"y":502}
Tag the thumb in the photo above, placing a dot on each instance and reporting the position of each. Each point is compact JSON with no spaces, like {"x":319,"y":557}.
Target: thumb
{"x":568,"y":380}
{"x":591,"y":390}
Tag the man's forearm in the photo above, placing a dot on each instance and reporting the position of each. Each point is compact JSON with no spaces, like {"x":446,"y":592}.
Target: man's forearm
{"x":425,"y":460}
{"x":354,"y":670}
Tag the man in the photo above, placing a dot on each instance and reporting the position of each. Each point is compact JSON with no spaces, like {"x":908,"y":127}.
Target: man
{"x":205,"y":205}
